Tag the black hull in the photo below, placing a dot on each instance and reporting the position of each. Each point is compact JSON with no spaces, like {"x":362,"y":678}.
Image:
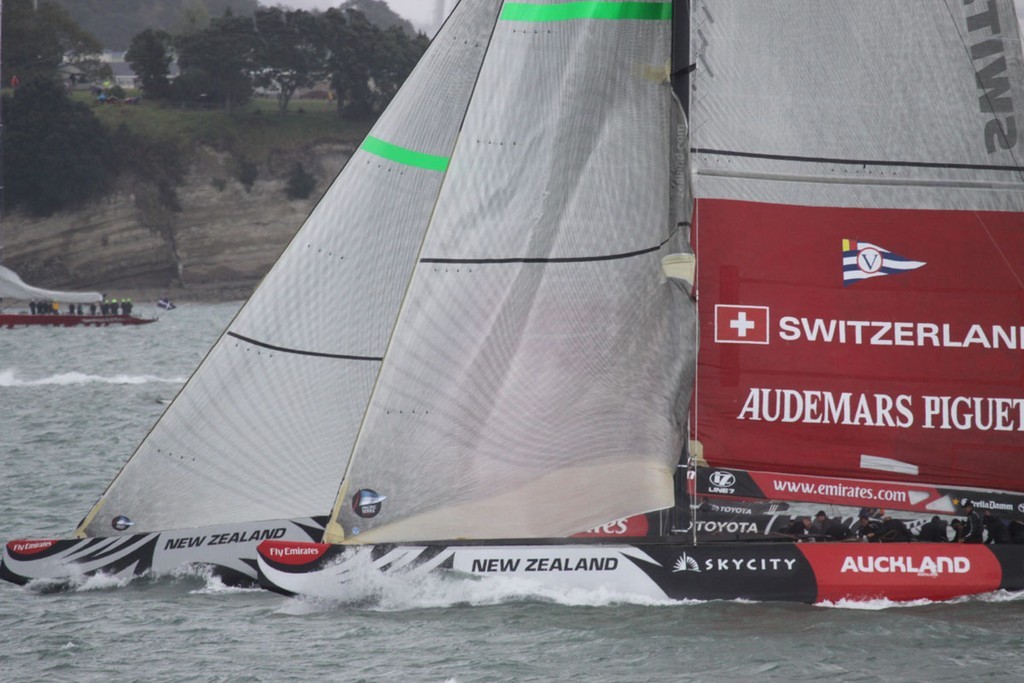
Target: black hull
{"x":791,"y":572}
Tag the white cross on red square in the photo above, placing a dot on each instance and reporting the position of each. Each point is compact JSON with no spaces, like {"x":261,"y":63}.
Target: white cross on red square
{"x":741,"y":324}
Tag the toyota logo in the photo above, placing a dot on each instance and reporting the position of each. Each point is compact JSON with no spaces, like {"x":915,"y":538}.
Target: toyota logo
{"x":722,"y":479}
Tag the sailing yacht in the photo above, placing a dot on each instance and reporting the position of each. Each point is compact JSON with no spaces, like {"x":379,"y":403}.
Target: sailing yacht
{"x":612,"y":295}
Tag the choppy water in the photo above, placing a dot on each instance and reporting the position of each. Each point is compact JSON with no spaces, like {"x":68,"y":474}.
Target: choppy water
{"x":74,"y":403}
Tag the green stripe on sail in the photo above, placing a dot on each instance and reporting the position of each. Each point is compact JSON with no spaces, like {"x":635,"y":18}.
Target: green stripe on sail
{"x":401,"y":155}
{"x":588,"y":9}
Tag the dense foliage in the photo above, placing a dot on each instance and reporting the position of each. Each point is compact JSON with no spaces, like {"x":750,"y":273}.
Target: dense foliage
{"x":38,"y":38}
{"x":150,"y":55}
{"x":57,"y":154}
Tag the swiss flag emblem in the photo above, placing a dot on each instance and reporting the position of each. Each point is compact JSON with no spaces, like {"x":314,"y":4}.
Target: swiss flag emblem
{"x":741,"y":324}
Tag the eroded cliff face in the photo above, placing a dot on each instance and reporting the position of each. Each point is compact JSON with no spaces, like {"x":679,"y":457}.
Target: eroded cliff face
{"x":223,"y":239}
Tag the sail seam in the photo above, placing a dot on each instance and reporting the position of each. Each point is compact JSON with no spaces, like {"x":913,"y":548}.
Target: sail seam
{"x":559,"y":259}
{"x":859,"y":162}
{"x":301,"y":352}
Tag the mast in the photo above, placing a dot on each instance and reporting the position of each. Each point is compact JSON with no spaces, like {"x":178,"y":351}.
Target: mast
{"x":681,"y":66}
{"x":2,"y":245}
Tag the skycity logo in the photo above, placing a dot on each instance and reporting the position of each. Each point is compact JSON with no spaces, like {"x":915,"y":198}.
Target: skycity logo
{"x":862,"y":261}
{"x":685,"y":563}
{"x":741,"y":324}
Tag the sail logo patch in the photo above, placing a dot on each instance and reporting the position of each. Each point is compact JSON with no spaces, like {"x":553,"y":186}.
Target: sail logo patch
{"x":367,"y":503}
{"x":120,"y":523}
{"x":741,"y":324}
{"x":862,"y":261}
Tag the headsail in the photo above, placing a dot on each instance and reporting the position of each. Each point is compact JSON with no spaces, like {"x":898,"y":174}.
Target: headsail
{"x":537,"y":379}
{"x":13,"y":287}
{"x":265,"y":426}
{"x":860,"y":234}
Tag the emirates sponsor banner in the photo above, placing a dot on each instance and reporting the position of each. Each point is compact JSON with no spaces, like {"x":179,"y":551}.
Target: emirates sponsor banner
{"x":889,"y":495}
{"x":862,"y":343}
{"x":627,"y":527}
{"x":292,"y":553}
{"x":901,"y":571}
{"x":25,"y":548}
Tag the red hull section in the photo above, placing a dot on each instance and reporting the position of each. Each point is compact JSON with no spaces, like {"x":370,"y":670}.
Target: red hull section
{"x":902,"y":571}
{"x":862,"y":343}
{"x":10,"y":320}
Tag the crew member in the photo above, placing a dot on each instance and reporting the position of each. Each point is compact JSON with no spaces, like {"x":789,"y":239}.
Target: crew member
{"x":973,"y":527}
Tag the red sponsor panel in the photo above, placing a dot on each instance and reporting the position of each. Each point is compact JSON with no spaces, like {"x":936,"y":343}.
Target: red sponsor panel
{"x":854,"y":492}
{"x":901,"y":571}
{"x":292,"y":552}
{"x":915,"y":373}
{"x":25,"y":547}
{"x":620,"y":528}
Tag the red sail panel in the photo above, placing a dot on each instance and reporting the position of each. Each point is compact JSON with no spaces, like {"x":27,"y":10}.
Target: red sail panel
{"x":862,"y":343}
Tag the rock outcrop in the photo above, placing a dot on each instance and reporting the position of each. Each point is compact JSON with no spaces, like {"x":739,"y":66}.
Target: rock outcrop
{"x":219,"y":244}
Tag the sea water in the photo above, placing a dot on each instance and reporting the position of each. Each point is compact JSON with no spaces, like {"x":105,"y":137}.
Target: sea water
{"x":74,"y":403}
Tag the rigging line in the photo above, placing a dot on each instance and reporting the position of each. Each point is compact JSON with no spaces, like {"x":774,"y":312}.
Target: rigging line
{"x":1002,"y":254}
{"x":333,"y":526}
{"x":560,"y":259}
{"x":300,"y":352}
{"x":858,"y":162}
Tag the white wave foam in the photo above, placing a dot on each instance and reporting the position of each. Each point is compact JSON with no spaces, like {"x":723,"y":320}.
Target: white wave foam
{"x":873,"y":605}
{"x":9,"y":378}
{"x":368,"y":588}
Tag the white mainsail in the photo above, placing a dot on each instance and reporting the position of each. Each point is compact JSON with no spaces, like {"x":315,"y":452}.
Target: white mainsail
{"x":859,"y":165}
{"x":13,"y":287}
{"x":264,"y":428}
{"x":536,"y":383}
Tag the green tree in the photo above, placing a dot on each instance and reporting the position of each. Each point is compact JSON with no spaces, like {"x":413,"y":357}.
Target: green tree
{"x":290,"y":53}
{"x":367,"y":64}
{"x":395,"y":54}
{"x":36,"y":41}
{"x":350,"y":39}
{"x":226,"y":52}
{"x":57,"y":154}
{"x":150,"y":56}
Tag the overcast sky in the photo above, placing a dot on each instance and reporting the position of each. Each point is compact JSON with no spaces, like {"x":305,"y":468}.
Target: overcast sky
{"x":421,"y":12}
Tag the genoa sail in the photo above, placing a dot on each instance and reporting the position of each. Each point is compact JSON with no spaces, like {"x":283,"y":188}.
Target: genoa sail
{"x":263,"y":428}
{"x":537,"y":380}
{"x":860,"y":240}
